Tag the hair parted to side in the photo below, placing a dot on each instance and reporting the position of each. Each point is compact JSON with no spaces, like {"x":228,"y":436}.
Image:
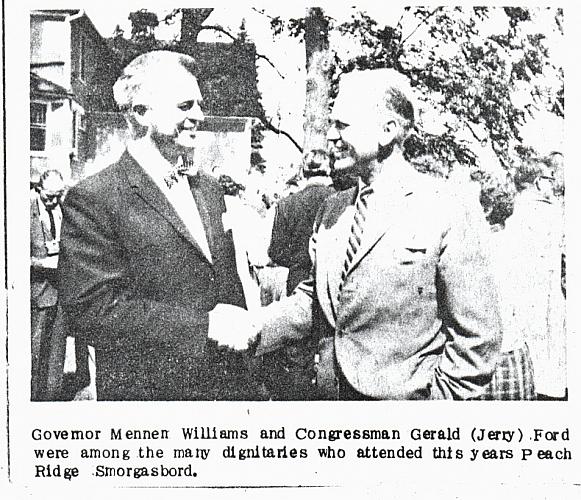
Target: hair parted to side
{"x":529,"y":171}
{"x":132,"y":86}
{"x":402,"y":107}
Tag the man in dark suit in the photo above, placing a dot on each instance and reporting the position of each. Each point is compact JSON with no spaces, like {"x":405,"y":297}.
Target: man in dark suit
{"x":294,"y":218}
{"x":147,"y":271}
{"x":400,"y":266}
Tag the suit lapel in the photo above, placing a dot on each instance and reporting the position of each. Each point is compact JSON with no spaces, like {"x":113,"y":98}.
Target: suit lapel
{"x":332,"y":247}
{"x":389,"y":207}
{"x":146,"y":189}
{"x":210,"y":208}
{"x":42,"y":219}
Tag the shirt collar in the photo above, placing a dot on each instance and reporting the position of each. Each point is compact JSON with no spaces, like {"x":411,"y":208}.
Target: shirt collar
{"x":391,"y":179}
{"x":151,"y":160}
{"x":318,"y":180}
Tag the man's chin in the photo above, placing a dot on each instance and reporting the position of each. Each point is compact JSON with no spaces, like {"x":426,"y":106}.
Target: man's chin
{"x":353,"y":165}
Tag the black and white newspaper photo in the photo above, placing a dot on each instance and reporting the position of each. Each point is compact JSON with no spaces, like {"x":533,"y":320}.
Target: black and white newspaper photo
{"x":290,"y":250}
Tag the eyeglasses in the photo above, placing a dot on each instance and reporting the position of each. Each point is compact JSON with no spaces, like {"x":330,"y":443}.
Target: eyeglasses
{"x":52,"y":196}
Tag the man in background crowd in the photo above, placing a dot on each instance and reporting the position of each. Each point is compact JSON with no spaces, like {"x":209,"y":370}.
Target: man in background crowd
{"x":147,"y":268}
{"x":290,"y":369}
{"x":294,"y":219}
{"x":513,"y":378}
{"x":400,"y":267}
{"x":47,"y":330}
{"x":535,"y":230}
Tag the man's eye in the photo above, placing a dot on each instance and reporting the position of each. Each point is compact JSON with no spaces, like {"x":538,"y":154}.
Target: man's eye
{"x":186,"y":106}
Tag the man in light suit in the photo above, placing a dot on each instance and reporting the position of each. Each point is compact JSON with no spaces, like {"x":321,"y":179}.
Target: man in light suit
{"x":400,"y":266}
{"x":147,"y":271}
{"x":47,"y":332}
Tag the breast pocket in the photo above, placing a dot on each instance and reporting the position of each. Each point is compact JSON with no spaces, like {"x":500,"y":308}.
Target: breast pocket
{"x":409,"y":255}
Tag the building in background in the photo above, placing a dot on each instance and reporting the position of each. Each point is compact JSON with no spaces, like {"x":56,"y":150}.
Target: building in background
{"x":75,"y":126}
{"x":72,"y":71}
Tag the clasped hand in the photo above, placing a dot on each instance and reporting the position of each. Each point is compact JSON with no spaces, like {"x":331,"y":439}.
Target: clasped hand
{"x":233,"y":326}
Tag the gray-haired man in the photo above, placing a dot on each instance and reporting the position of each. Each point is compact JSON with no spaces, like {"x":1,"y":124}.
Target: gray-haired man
{"x":147,"y":271}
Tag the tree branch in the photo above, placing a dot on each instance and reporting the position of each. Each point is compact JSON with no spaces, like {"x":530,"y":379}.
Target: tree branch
{"x":268,"y":124}
{"x":262,"y":13}
{"x":423,"y":21}
{"x":219,"y":29}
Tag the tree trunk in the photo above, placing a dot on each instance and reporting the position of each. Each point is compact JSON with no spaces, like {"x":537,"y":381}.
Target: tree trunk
{"x":318,"y":84}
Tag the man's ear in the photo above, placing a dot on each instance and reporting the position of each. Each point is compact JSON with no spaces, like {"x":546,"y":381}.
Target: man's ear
{"x":390,"y":132}
{"x":141,"y":115}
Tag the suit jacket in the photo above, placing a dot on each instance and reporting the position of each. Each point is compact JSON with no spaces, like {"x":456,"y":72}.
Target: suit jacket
{"x":292,"y":230}
{"x":134,"y":281}
{"x":417,"y":316}
{"x":43,"y":291}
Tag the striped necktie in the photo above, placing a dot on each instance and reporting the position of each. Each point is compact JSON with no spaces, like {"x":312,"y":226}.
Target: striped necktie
{"x":356,"y":234}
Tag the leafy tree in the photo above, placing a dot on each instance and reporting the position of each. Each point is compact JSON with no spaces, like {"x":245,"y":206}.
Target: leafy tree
{"x":483,"y":83}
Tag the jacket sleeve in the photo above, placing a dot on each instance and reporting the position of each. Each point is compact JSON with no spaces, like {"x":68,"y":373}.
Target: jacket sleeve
{"x":96,"y":286}
{"x":291,"y":318}
{"x":468,"y":306}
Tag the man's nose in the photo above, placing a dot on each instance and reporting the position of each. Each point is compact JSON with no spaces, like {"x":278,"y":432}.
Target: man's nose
{"x":333,"y":134}
{"x":195,"y":114}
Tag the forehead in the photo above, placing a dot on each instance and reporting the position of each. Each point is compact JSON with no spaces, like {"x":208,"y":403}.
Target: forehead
{"x":357,"y":100}
{"x":175,"y":86}
{"x":351,"y":107}
{"x":52,"y":183}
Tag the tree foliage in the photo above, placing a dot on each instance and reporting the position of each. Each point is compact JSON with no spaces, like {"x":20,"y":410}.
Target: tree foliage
{"x":226,"y":71}
{"x":484,"y":72}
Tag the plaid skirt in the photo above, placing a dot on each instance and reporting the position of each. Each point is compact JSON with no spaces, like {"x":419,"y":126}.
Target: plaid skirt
{"x":513,"y":379}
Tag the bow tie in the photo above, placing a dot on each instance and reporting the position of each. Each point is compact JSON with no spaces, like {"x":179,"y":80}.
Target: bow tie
{"x":184,"y":167}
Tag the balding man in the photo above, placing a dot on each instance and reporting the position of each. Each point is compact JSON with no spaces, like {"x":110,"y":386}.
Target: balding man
{"x":400,"y":269}
{"x":147,"y":271}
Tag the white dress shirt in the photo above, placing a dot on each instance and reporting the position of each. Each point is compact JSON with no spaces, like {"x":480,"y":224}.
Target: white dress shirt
{"x":45,"y":218}
{"x":179,"y":195}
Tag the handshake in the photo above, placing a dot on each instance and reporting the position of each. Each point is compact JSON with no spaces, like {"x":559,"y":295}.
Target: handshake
{"x":234,"y":326}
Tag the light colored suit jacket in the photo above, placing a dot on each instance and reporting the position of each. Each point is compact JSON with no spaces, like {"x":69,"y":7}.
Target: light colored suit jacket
{"x":43,"y":290}
{"x":417,"y":316}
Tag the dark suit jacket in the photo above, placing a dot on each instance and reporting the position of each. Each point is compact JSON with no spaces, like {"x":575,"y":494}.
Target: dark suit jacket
{"x":417,"y":316}
{"x":135,"y":282}
{"x":292,"y":230}
{"x":43,"y":292}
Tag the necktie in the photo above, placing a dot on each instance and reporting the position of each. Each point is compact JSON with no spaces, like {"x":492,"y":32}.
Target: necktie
{"x":356,"y":234}
{"x":184,"y":166}
{"x":52,"y":224}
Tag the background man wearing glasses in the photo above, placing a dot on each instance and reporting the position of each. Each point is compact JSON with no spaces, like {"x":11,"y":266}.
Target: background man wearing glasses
{"x":47,"y":333}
